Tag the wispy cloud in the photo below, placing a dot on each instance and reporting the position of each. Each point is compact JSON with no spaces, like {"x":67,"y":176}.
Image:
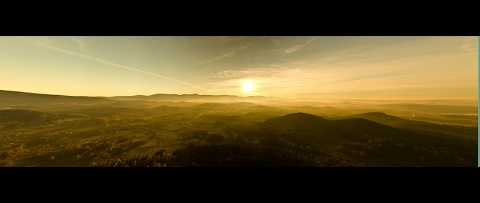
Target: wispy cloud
{"x":81,"y":44}
{"x":276,"y":42}
{"x":278,"y":80}
{"x":233,"y":74}
{"x":229,"y":54}
{"x":471,"y":44}
{"x":356,"y":78}
{"x":299,"y":46}
{"x":349,"y":67}
{"x":103,"y":61}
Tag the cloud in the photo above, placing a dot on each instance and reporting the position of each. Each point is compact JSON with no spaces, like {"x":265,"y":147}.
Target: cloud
{"x":229,"y":54}
{"x":470,"y":44}
{"x":103,"y":61}
{"x":81,"y":44}
{"x":233,"y":74}
{"x":276,"y":42}
{"x":356,"y":78}
{"x":343,"y":66}
{"x":299,"y":46}
{"x":271,"y":81}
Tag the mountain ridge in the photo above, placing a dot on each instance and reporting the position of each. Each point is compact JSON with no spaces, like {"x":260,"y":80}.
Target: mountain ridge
{"x":394,"y":121}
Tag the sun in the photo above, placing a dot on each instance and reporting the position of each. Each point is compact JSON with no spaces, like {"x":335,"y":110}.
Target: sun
{"x":247,"y":86}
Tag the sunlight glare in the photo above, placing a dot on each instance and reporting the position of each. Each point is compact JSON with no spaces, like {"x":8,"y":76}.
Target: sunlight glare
{"x":247,"y":86}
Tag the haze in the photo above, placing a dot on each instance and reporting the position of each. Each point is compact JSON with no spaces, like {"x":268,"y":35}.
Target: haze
{"x":374,"y":68}
{"x":256,"y":101}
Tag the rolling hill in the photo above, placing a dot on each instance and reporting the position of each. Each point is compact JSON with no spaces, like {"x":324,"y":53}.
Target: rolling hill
{"x":209,"y":130}
{"x":24,"y":98}
{"x":428,"y":108}
{"x":364,"y":141}
{"x":45,"y":102}
{"x":419,"y":126}
{"x":189,"y":97}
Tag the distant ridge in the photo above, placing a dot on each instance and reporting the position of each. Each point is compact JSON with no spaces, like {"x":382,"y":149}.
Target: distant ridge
{"x":383,"y":118}
{"x":18,"y":93}
{"x":7,"y":94}
{"x":25,"y":98}
{"x":305,"y":120}
{"x":189,"y":97}
{"x":297,"y":120}
{"x":47,"y":102}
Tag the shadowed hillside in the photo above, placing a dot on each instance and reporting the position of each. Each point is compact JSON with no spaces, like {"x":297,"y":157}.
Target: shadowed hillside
{"x":372,"y":143}
{"x":419,"y":126}
{"x":22,"y":98}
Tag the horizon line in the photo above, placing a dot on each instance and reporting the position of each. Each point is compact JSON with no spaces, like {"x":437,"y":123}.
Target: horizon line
{"x":253,"y":96}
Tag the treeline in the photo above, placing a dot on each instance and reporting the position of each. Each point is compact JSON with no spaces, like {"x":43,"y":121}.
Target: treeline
{"x":159,"y":159}
{"x":227,"y":155}
{"x":238,"y":155}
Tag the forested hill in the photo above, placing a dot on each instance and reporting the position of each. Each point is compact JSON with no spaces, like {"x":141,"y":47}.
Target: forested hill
{"x":419,"y":126}
{"x":24,"y":98}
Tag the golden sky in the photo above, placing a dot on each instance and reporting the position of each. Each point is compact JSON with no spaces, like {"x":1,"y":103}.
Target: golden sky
{"x":308,"y":66}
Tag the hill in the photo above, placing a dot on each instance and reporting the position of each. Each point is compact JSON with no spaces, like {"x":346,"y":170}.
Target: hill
{"x":419,"y":126}
{"x":46,"y":102}
{"x":350,"y":127}
{"x":364,"y":141}
{"x":24,"y":98}
{"x":189,"y":97}
{"x":436,"y":107}
{"x":299,"y":120}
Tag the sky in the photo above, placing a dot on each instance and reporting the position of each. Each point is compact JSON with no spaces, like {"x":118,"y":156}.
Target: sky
{"x":357,"y":67}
